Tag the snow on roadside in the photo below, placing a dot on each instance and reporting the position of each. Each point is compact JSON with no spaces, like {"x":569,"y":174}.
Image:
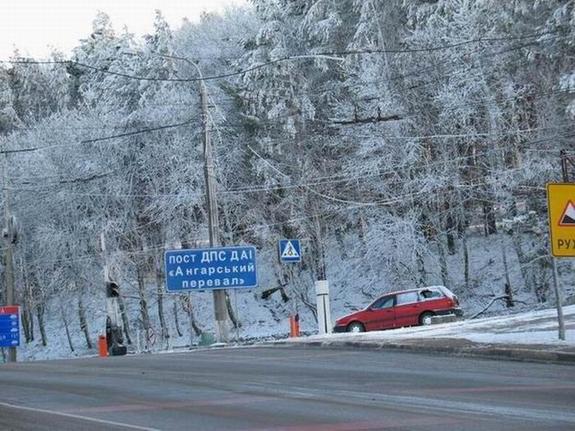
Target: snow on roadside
{"x":536,"y":328}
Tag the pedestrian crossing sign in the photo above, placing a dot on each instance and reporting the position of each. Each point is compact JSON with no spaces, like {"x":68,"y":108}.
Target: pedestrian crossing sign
{"x":561,"y":205}
{"x":289,"y":250}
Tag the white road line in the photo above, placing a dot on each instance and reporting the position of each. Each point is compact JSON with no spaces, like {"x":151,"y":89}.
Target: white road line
{"x":83,"y":418}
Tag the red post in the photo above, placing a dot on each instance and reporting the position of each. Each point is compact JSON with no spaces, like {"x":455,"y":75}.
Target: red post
{"x":102,"y":346}
{"x":294,"y":326}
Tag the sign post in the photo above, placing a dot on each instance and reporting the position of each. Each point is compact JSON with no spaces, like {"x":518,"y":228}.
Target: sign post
{"x":561,"y":207}
{"x":10,"y":326}
{"x":289,"y":251}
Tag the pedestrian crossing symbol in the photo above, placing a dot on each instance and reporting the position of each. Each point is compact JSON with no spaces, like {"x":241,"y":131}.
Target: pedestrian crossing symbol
{"x":289,"y":250}
{"x":568,"y":216}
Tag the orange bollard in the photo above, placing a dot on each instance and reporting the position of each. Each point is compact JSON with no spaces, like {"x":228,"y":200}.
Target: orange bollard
{"x":102,"y":346}
{"x":294,"y":326}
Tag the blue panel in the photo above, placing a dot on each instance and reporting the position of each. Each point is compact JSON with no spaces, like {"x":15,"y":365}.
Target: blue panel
{"x":9,"y":326}
{"x":210,"y":268}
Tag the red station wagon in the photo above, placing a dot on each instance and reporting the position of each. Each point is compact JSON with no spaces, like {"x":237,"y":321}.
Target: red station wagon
{"x":404,"y":308}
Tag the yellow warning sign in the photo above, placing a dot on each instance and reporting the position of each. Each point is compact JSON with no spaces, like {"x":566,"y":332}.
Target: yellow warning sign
{"x":561,"y":206}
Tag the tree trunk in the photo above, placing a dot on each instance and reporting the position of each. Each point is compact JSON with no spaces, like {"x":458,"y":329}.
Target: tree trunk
{"x":66,"y":328}
{"x":422,"y":279}
{"x":524,"y":265}
{"x":40,"y":316}
{"x":83,"y":322}
{"x":489,"y":222}
{"x":505,"y":265}
{"x":231,"y":312}
{"x":361,"y":233}
{"x":443,"y":263}
{"x":125,"y":321}
{"x":450,"y":229}
{"x":317,"y":239}
{"x":31,"y":320}
{"x":143,"y":301}
{"x":339,"y":237}
{"x":26,"y":322}
{"x":27,"y":318}
{"x":160,"y":292}
{"x":190,"y":311}
{"x":311,"y":307}
{"x":176,"y":320}
{"x":465,"y":260}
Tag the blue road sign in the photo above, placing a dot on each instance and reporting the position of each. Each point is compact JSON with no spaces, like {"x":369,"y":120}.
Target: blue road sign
{"x":10,"y":326}
{"x":211,"y":268}
{"x":289,"y":250}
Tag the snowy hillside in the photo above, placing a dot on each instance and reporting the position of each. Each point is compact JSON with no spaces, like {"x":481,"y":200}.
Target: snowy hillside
{"x":406,"y":143}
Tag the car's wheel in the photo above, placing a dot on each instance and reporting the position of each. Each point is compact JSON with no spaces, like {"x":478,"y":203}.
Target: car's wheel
{"x":355,"y":327}
{"x":425,"y":318}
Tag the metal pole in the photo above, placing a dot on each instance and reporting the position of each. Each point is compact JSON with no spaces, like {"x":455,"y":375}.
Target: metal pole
{"x":8,"y":236}
{"x":559,"y":299}
{"x":556,"y":287}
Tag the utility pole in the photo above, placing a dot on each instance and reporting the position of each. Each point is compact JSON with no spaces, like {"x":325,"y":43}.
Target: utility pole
{"x":9,"y":237}
{"x":220,"y":308}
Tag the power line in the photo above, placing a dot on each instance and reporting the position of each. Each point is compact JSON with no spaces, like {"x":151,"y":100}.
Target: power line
{"x":279,"y":60}
{"x":255,"y":188}
{"x":97,"y":140}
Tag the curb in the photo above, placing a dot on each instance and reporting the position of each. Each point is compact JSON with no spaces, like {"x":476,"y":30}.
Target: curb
{"x":469,"y":350}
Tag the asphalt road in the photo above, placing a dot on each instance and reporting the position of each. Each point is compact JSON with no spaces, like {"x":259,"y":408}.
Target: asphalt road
{"x":286,"y":389}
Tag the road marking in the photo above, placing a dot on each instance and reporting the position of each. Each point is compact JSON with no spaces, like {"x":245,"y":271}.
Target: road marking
{"x":171,"y":405}
{"x":83,"y":418}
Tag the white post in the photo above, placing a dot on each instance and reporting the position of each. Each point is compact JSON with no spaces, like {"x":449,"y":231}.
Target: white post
{"x":323,"y":306}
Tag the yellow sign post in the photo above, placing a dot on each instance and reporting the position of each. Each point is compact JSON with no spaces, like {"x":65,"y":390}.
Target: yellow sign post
{"x":561,"y":205}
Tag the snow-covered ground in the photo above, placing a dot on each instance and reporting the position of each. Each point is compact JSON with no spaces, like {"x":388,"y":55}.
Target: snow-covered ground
{"x":530,"y":328}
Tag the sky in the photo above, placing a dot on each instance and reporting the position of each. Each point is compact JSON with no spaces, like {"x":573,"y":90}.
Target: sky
{"x":35,"y":27}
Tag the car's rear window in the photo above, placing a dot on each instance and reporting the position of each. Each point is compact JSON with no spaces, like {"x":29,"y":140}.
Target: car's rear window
{"x":427,"y":294}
